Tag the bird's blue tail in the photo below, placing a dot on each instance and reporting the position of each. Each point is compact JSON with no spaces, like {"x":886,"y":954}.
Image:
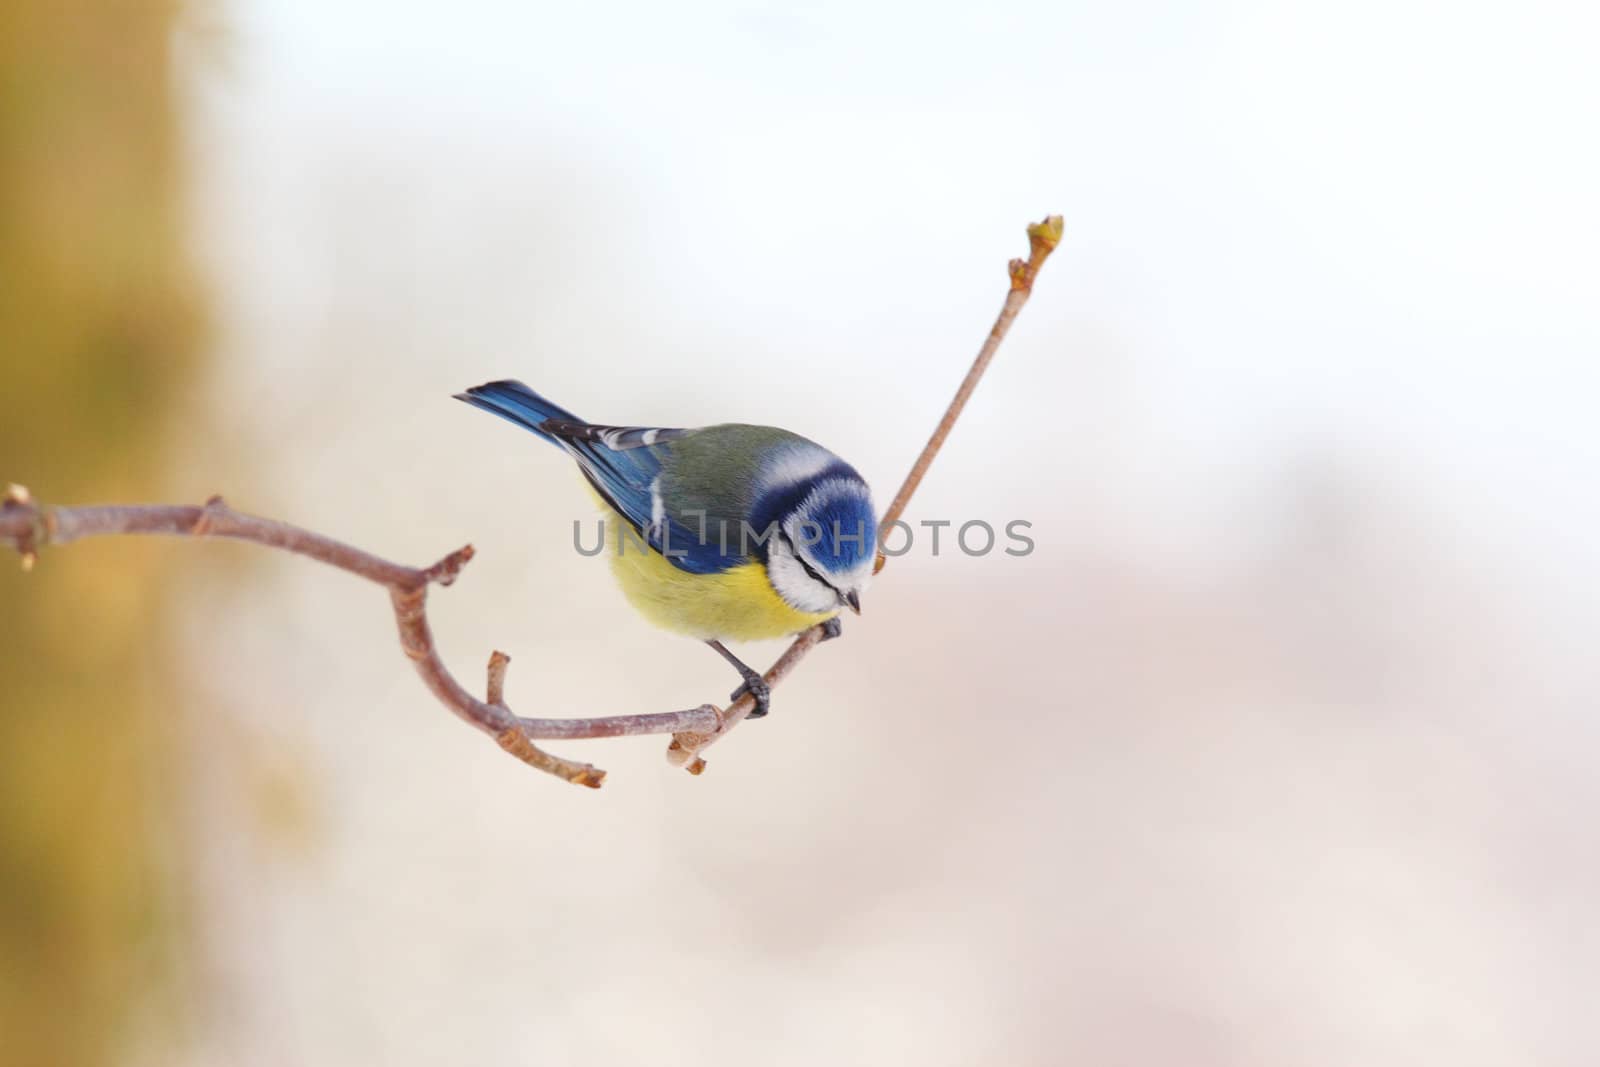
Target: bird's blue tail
{"x":515,"y":402}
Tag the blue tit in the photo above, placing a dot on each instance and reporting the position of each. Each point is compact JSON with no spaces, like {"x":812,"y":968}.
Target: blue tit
{"x":727,"y":532}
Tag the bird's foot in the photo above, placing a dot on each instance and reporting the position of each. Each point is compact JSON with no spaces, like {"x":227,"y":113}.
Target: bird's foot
{"x":758,"y":688}
{"x":832,"y":628}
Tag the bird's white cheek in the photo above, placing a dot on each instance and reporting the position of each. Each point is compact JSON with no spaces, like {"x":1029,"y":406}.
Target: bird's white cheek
{"x":861,"y":577}
{"x":798,"y":588}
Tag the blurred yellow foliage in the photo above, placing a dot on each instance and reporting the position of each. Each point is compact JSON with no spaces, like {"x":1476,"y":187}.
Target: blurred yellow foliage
{"x":99,"y":325}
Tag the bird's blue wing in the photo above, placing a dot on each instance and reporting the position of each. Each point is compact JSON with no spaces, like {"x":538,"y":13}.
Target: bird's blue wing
{"x":624,"y":464}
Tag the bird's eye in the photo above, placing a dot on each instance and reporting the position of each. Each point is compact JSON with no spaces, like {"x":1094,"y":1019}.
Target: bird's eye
{"x":808,"y":567}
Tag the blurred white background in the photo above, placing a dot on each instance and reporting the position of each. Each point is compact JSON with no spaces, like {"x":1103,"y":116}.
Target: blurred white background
{"x":1276,"y":751}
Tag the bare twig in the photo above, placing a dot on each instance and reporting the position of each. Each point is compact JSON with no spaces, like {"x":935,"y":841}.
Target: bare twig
{"x":27,"y":527}
{"x":685,"y":749}
{"x":516,"y":742}
{"x":1042,"y":240}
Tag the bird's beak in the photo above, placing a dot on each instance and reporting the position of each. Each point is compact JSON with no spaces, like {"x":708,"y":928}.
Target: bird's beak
{"x":853,"y":599}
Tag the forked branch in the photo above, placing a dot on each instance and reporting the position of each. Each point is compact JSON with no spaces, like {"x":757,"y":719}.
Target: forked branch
{"x":28,"y":527}
{"x":686,"y":746}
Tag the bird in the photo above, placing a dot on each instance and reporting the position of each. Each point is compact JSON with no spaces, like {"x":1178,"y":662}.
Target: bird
{"x":730,"y":532}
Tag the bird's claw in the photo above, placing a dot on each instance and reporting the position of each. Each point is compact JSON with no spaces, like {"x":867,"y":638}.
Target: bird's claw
{"x":832,"y":628}
{"x":758,"y":688}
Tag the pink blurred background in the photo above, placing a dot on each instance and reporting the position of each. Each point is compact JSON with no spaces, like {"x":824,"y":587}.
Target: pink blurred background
{"x":1277,"y":750}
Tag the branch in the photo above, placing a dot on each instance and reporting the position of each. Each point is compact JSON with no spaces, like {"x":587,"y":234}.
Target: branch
{"x":685,"y":749}
{"x":28,"y":527}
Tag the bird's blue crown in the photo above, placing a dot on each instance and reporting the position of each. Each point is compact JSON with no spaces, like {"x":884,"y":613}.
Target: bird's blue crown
{"x":811,"y":507}
{"x":837,"y":522}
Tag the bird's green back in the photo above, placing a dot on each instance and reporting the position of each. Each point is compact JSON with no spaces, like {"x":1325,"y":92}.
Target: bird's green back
{"x":716,"y":470}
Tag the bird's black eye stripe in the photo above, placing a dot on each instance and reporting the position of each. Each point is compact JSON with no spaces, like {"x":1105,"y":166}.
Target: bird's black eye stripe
{"x":796,"y":553}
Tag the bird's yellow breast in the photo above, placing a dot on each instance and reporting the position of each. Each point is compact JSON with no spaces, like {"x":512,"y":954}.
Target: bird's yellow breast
{"x":738,"y":604}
